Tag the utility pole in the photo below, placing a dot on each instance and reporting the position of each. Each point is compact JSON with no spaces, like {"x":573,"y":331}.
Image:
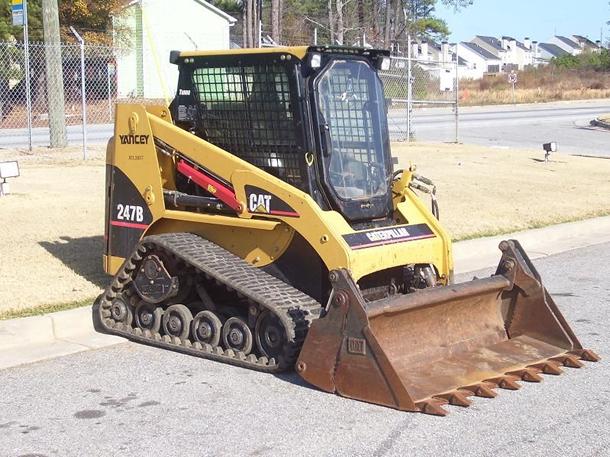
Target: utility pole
{"x":54,"y":75}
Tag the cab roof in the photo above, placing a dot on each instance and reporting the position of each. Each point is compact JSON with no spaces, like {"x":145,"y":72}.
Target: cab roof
{"x":297,"y":51}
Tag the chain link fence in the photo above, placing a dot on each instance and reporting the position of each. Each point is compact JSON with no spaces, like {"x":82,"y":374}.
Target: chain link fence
{"x":422,"y":95}
{"x":100,"y":85}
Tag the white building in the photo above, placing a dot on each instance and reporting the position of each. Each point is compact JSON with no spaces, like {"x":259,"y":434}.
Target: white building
{"x":478,"y":61}
{"x":544,"y":52}
{"x":514,"y":54}
{"x":586,"y":44}
{"x":568,"y":44}
{"x":154,"y":28}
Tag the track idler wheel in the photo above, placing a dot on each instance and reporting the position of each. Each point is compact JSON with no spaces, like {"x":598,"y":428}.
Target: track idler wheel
{"x":148,"y":316}
{"x":154,"y":283}
{"x":120,"y":311}
{"x":206,"y":328}
{"x":177,"y":321}
{"x":270,"y":335}
{"x":236,"y":335}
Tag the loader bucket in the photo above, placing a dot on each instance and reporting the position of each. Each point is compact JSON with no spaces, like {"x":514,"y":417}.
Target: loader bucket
{"x":419,"y":351}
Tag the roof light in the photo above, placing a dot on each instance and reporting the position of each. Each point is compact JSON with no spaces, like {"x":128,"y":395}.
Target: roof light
{"x":315,"y":60}
{"x":384,"y":63}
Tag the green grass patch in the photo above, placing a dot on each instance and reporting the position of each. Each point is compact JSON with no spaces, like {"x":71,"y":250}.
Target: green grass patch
{"x":44,"y":309}
{"x":529,"y":226}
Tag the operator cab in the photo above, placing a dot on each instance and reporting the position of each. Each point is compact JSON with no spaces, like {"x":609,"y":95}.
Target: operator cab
{"x":314,"y":117}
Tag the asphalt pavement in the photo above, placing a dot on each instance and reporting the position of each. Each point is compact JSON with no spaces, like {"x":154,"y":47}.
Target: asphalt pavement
{"x":502,"y":126}
{"x":19,"y":138}
{"x":131,"y":399}
{"x":515,"y":126}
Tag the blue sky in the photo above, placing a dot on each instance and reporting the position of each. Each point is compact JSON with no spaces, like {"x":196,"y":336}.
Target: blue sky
{"x":537,"y":19}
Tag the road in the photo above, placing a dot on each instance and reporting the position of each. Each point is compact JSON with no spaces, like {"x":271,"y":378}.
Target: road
{"x":521,"y":126}
{"x":134,"y":400}
{"x":18,"y":138}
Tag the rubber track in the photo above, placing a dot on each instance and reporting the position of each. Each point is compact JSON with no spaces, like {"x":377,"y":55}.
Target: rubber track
{"x":295,"y":309}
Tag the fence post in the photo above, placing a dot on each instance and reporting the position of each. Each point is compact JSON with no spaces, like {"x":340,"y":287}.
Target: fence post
{"x":109,"y":73}
{"x":409,"y":88}
{"x":457,"y":94}
{"x":26,"y":56}
{"x":82,"y":89}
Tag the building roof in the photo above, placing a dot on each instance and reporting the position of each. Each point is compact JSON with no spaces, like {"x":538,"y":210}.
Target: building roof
{"x":552,"y":49}
{"x":203,"y":3}
{"x":492,"y":41}
{"x":479,"y":50}
{"x":519,"y":44}
{"x":586,"y":42}
{"x":567,"y":41}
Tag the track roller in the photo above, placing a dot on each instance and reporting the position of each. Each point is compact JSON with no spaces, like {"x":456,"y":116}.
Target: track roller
{"x":177,"y":321}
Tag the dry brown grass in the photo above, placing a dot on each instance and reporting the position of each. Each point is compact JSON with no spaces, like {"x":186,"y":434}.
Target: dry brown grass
{"x":52,"y":224}
{"x":484,"y":191}
{"x":52,"y":227}
{"x":538,"y":85}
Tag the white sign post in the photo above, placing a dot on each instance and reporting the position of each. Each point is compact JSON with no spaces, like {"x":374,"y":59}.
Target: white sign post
{"x":512,"y":79}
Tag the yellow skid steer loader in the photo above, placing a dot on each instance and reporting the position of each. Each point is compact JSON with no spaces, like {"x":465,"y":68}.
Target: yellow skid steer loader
{"x":257,"y":221}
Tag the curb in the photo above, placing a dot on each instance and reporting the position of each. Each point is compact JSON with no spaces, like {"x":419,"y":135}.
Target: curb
{"x":32,"y":339}
{"x":480,"y":253}
{"x":599,"y":123}
{"x":36,"y":338}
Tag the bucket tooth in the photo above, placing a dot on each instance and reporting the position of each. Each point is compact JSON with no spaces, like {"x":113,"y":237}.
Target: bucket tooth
{"x":527,"y":374}
{"x":508,"y":382}
{"x":433,"y":406}
{"x":586,"y":354}
{"x":548,"y":367}
{"x":568,"y":360}
{"x":457,"y":397}
{"x":482,"y":389}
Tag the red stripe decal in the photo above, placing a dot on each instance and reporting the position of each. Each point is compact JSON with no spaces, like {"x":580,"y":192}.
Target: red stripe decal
{"x":129,"y":225}
{"x":219,"y":190}
{"x":284,"y":213}
{"x":380,"y":243}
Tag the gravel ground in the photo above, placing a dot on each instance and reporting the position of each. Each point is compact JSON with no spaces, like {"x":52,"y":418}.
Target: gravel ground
{"x":132,"y":400}
{"x":52,"y":235}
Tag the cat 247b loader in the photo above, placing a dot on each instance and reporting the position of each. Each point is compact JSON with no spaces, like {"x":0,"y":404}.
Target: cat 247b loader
{"x":258,"y":221}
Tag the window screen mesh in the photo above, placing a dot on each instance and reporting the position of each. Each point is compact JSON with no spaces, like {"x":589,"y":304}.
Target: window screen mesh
{"x":248,"y":111}
{"x":344,"y":106}
{"x":349,"y":98}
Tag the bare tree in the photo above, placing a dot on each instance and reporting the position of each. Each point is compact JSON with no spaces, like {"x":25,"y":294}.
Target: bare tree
{"x":276,"y":18}
{"x":388,"y":23}
{"x":248,"y":23}
{"x":340,"y":27}
{"x":331,"y":21}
